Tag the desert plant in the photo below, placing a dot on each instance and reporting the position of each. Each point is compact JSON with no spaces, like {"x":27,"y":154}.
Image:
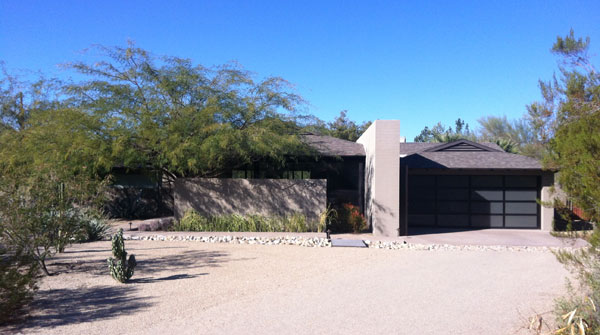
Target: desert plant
{"x":94,"y":230}
{"x":326,"y":219}
{"x":577,"y":311}
{"x":349,"y":219}
{"x":18,"y":278}
{"x":93,"y":226}
{"x":121,"y":268}
{"x":295,"y":222}
{"x":576,"y":321}
{"x":40,"y":213}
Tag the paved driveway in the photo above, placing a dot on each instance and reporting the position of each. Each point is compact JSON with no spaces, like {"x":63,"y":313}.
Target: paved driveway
{"x":507,"y":237}
{"x":198,"y":288}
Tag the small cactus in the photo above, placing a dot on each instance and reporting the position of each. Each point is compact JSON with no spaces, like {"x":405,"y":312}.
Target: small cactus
{"x":121,"y":268}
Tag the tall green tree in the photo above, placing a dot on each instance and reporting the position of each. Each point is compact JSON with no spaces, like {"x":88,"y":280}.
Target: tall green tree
{"x":49,"y":158}
{"x":340,"y":127}
{"x":441,"y":133}
{"x":168,"y":114}
{"x":567,"y":120}
{"x":516,"y":136}
{"x":346,"y":129}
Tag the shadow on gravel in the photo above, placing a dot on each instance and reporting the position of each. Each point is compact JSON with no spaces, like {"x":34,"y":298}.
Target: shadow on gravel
{"x":181,"y":261}
{"x":178,"y":262}
{"x":129,"y":249}
{"x":173,"y":277}
{"x":71,"y":306}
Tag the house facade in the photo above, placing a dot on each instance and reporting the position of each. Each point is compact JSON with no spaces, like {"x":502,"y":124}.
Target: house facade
{"x":398,"y":186}
{"x":460,"y":184}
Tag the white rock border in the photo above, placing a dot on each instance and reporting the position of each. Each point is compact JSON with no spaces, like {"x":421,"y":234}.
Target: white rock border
{"x":324,"y":243}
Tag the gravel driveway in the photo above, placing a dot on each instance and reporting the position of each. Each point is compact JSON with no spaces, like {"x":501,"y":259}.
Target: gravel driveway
{"x":200,"y":288}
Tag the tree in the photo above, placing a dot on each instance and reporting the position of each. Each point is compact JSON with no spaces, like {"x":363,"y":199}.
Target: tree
{"x":439,"y":133}
{"x":341,"y":127}
{"x":48,"y":164}
{"x":346,"y":129}
{"x":567,"y":122}
{"x":167,"y":114}
{"x":516,"y":136}
{"x":18,"y":280}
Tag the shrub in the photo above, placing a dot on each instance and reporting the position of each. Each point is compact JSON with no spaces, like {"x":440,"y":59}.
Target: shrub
{"x":40,"y":214}
{"x":326,"y":219}
{"x":349,"y":219}
{"x":93,"y":226}
{"x":18,"y":277}
{"x":296,"y":222}
{"x":121,"y":268}
{"x":94,"y":230}
{"x":578,"y":310}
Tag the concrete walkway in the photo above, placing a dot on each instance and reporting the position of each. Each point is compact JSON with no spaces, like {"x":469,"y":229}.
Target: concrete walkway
{"x":485,"y":237}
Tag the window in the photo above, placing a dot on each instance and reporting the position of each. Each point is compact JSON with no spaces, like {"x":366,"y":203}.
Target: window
{"x":244,"y":174}
{"x":296,"y":174}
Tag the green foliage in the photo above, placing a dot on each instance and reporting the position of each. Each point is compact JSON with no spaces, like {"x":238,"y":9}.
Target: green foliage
{"x":507,"y":145}
{"x":40,"y":211}
{"x":514,"y":136}
{"x":349,"y":219}
{"x":327,"y":219}
{"x":568,"y":118}
{"x":439,"y":133}
{"x":341,"y":127}
{"x":93,"y":226}
{"x":170,"y":115}
{"x":18,"y":279}
{"x":567,"y":121}
{"x":60,"y":140}
{"x":294,"y":223}
{"x":121,"y":268}
{"x":49,"y":159}
{"x":580,"y":305}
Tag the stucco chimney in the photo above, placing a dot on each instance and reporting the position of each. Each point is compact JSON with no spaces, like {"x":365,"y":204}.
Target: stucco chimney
{"x":382,"y":176}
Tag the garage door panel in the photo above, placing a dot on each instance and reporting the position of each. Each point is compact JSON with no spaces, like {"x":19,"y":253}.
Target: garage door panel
{"x":486,"y":181}
{"x":422,"y":194}
{"x":487,"y":221}
{"x":481,"y":201}
{"x":421,"y":207}
{"x":487,"y":207}
{"x":521,"y":221}
{"x":453,"y":194}
{"x":486,"y":195}
{"x":521,"y":181}
{"x":421,"y":220}
{"x":521,"y":195}
{"x":521,"y":208}
{"x":453,"y":181}
{"x":453,"y":220}
{"x":452,"y":207}
{"x":422,"y":181}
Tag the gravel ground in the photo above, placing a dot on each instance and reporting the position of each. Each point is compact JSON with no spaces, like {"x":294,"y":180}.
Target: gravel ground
{"x":183,"y":287}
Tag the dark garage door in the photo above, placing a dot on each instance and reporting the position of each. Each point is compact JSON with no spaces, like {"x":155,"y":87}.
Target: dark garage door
{"x":473,"y":201}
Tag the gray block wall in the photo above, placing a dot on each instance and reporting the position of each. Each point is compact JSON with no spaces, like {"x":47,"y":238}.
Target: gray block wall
{"x":269,"y":197}
{"x":382,"y":176}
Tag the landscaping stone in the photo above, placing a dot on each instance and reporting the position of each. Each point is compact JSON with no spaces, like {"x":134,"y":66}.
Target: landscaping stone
{"x":316,"y":242}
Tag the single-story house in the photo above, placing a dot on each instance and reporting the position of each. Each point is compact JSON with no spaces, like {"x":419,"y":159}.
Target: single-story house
{"x":397,"y":185}
{"x":458,"y":184}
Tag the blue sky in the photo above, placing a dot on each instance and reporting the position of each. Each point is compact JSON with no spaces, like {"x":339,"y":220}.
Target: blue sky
{"x":417,"y":61}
